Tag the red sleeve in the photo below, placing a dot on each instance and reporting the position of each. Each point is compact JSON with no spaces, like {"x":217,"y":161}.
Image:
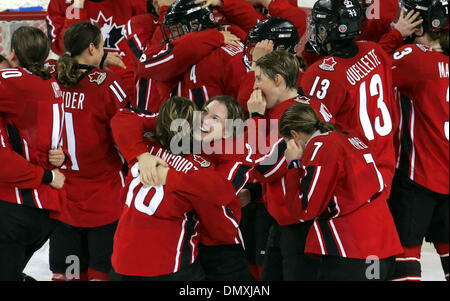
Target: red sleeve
{"x":246,"y":89}
{"x":391,"y":41}
{"x":285,"y":10}
{"x":225,"y":180}
{"x":309,"y":188}
{"x":232,"y":76}
{"x":58,"y":22}
{"x":128,"y":128}
{"x":165,"y":62}
{"x":115,"y":95}
{"x":241,"y":13}
{"x":16,"y":170}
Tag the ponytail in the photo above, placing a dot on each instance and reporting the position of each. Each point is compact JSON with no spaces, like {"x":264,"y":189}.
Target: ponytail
{"x":77,"y":39}
{"x":302,"y":118}
{"x":32,"y":48}
{"x":325,"y":126}
{"x":68,"y":70}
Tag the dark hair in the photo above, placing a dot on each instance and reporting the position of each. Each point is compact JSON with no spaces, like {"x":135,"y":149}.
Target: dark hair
{"x":234,"y":109}
{"x":302,"y":118}
{"x":174,"y":108}
{"x":442,"y":37}
{"x":32,"y":48}
{"x":283,"y":63}
{"x":2,"y":58}
{"x":77,"y":39}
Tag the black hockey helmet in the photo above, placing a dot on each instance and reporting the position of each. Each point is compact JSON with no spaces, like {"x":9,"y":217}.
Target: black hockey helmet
{"x":334,"y":20}
{"x":433,"y":12}
{"x":185,"y":16}
{"x":282,"y":32}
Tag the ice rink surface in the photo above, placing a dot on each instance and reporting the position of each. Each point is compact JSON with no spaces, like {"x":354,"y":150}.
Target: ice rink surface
{"x":431,"y":264}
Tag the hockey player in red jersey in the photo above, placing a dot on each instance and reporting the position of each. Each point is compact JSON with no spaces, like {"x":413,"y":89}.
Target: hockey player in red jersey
{"x":219,"y":237}
{"x":191,"y":77}
{"x":31,"y":106}
{"x":420,"y":191}
{"x":333,"y":180}
{"x":275,"y":90}
{"x":354,"y":80}
{"x":92,"y":96}
{"x":176,"y":262}
{"x":270,"y":34}
{"x":157,"y":64}
{"x":379,"y":24}
{"x":110,"y":16}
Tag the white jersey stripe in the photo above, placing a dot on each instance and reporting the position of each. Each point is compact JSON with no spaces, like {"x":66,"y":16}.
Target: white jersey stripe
{"x":319,"y":238}
{"x":338,"y":239}
{"x":124,"y":95}
{"x":36,"y":196}
{"x":116,"y":93}
{"x":160,"y":62}
{"x":180,"y":242}
{"x":314,"y":182}
{"x":17,"y":195}
{"x":413,"y":150}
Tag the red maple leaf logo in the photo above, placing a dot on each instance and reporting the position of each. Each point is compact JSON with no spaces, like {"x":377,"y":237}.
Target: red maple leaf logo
{"x":328,"y":64}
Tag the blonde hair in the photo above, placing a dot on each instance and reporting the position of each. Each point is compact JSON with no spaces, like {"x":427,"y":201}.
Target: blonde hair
{"x":174,"y":108}
{"x":302,"y":118}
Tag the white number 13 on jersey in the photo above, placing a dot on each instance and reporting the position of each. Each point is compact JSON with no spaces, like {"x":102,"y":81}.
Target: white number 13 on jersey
{"x":383,"y":125}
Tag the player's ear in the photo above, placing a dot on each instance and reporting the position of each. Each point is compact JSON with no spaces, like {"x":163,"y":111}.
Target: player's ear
{"x":278,"y":80}
{"x":295,"y":135}
{"x":91,"y":48}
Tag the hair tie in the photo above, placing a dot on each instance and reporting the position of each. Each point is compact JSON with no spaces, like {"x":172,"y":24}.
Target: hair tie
{"x":68,"y":53}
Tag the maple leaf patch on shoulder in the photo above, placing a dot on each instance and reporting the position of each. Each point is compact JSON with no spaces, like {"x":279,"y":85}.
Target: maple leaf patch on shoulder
{"x":97,"y":77}
{"x":328,"y":64}
{"x":200,"y":160}
{"x":50,"y":67}
{"x":303,"y":99}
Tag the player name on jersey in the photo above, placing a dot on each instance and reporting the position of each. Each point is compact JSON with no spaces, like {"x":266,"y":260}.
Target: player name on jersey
{"x":443,"y":69}
{"x":73,"y":100}
{"x":363,"y":67}
{"x":179,"y":163}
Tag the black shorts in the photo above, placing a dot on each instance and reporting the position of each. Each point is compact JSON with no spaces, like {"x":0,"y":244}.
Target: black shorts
{"x":92,"y":246}
{"x":193,"y":272}
{"x":23,"y":231}
{"x":224,"y":263}
{"x":297,"y":266}
{"x":418,"y":213}
{"x":255,"y":225}
{"x":272,"y":269}
{"x":333,"y":268}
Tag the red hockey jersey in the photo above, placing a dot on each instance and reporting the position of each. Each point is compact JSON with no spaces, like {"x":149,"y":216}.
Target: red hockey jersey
{"x":338,"y":186}
{"x":160,"y":220}
{"x":424,"y":156}
{"x":270,"y":162}
{"x":16,"y":171}
{"x":94,"y":178}
{"x":33,"y":111}
{"x":359,"y":93}
{"x":222,"y":228}
{"x":110,"y":16}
